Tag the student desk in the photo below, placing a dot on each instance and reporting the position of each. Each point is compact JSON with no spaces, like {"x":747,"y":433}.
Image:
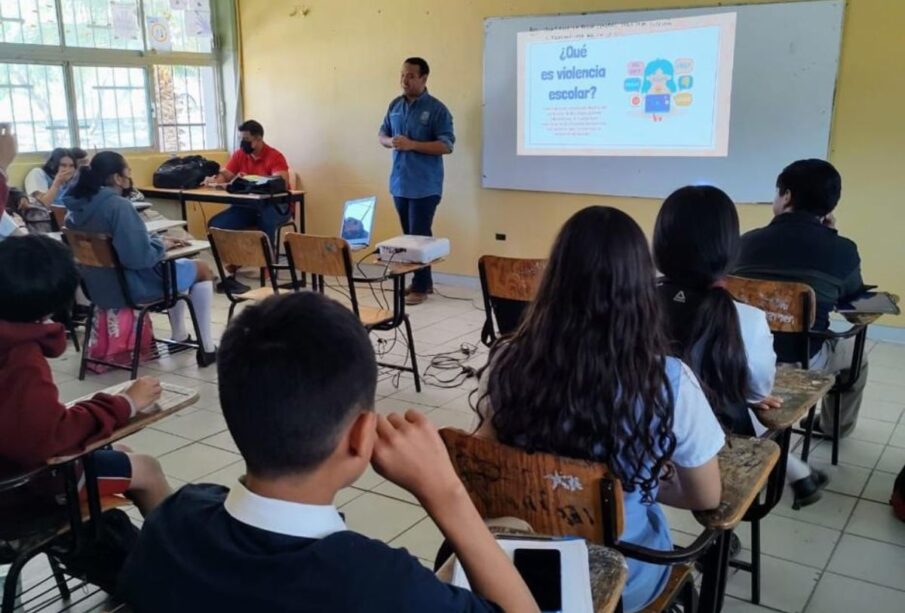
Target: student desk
{"x":172,"y":399}
{"x":608,"y":571}
{"x":377,"y":271}
{"x":162,"y":225}
{"x":799,"y":390}
{"x":193,"y":248}
{"x":745,"y":464}
{"x":154,"y":227}
{"x":221,"y":196}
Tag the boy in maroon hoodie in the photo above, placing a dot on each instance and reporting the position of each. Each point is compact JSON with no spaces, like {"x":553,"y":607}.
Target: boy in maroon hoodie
{"x":38,"y":277}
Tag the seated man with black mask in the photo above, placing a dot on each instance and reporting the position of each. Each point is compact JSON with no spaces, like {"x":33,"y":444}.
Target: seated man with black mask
{"x":254,"y":157}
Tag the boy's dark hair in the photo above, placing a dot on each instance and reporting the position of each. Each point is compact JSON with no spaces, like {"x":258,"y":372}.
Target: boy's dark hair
{"x":78,"y":154}
{"x":814,"y":185}
{"x":252,"y":127}
{"x":38,"y":277}
{"x":13,"y":199}
{"x":293,"y":371}
{"x":421,"y":63}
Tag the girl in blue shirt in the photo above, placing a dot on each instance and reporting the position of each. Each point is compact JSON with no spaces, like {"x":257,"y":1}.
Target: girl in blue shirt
{"x":98,"y":203}
{"x":586,"y":376}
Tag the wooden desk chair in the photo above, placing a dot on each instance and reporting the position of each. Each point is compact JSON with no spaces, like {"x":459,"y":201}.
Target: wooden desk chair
{"x":790,"y":307}
{"x":238,"y":248}
{"x":508,"y":285}
{"x":564,"y":497}
{"x":328,"y":256}
{"x":59,"y":216}
{"x":97,"y":251}
{"x":31,"y":526}
{"x":292,"y":222}
{"x":770,"y":296}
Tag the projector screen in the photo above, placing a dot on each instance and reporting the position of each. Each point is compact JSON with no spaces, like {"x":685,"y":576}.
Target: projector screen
{"x":645,"y":88}
{"x":638,"y":103}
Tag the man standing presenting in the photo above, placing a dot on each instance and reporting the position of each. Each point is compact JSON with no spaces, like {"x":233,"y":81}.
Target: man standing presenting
{"x":419,"y":130}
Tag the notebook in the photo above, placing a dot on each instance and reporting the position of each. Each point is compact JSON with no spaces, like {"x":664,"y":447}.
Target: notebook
{"x":358,"y":221}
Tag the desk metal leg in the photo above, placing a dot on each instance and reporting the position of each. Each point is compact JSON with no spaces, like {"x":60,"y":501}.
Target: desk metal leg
{"x":185,"y":215}
{"x":94,"y":496}
{"x":302,"y":213}
{"x":716,"y":571}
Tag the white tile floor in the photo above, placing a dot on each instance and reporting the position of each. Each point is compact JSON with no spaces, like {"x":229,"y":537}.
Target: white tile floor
{"x":844,"y":553}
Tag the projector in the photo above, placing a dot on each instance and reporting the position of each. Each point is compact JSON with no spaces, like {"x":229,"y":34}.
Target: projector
{"x":413,"y":249}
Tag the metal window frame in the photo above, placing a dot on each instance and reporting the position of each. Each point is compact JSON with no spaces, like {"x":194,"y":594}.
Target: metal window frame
{"x":71,"y":57}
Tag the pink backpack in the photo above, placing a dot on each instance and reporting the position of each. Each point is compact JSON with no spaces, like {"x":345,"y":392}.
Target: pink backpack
{"x":112,"y":333}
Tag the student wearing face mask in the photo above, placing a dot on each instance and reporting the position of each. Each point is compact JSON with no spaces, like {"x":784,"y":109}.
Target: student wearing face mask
{"x":99,"y":203}
{"x":254,"y":157}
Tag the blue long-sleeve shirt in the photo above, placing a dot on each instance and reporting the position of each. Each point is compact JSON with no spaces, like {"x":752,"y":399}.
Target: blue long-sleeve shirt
{"x":426,"y":119}
{"x":140,"y":254}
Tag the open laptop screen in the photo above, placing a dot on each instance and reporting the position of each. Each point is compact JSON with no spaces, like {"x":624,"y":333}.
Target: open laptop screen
{"x":358,"y":221}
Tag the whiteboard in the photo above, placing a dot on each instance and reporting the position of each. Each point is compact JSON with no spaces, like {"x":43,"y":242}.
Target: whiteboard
{"x":784,"y":80}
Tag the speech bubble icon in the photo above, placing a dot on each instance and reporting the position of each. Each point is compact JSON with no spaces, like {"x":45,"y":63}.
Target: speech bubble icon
{"x":635,"y":69}
{"x":632,"y":85}
{"x":686,"y":81}
{"x":683,"y":99}
{"x":683,"y":65}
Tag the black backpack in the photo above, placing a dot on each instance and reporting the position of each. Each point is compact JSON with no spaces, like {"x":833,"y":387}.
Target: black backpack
{"x":263,"y":185}
{"x":184,"y":173}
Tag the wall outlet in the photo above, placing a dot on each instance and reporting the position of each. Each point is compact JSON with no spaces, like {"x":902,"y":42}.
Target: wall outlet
{"x":500,"y":237}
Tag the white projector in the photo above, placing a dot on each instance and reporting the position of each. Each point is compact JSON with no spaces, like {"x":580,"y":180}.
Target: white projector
{"x":411,"y":248}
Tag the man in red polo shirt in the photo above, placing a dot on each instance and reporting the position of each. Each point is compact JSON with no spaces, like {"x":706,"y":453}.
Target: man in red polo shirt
{"x":254,"y":157}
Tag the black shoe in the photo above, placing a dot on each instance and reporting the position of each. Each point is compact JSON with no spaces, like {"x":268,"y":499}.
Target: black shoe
{"x":807,"y":491}
{"x":231,"y":285}
{"x":206,"y":358}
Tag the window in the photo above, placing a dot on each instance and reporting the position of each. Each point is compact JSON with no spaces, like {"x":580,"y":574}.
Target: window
{"x":29,"y":22}
{"x":112,"y":107}
{"x":110,"y":74}
{"x":32,"y":97}
{"x":185,"y":102}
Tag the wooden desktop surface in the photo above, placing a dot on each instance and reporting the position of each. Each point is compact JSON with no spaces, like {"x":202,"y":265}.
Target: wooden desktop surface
{"x":211,"y":192}
{"x":607,"y":568}
{"x":193,"y":248}
{"x":799,"y":390}
{"x":173,"y":398}
{"x":745,"y":464}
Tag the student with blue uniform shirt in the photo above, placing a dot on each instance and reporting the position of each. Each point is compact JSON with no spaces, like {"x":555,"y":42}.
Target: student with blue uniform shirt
{"x":419,"y":130}
{"x":728,"y":344}
{"x":297,"y":377}
{"x":99,"y":204}
{"x":586,"y":375}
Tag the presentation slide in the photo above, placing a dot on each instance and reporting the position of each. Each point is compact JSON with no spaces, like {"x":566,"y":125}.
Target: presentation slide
{"x":648,"y":88}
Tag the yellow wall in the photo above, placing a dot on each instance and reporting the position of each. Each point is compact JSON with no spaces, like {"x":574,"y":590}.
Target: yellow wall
{"x":320,"y":84}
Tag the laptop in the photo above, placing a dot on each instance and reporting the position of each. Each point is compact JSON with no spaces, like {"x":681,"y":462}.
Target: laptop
{"x":358,"y":221}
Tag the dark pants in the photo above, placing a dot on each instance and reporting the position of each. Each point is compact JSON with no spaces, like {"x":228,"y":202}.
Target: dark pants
{"x":267,"y":218}
{"x":416,"y":216}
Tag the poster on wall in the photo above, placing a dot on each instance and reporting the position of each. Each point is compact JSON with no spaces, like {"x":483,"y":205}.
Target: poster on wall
{"x":124,"y":20}
{"x":198,"y":24}
{"x":159,"y":34}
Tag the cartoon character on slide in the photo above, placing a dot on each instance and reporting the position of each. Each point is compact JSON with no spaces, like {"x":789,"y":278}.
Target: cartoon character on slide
{"x":658,"y":87}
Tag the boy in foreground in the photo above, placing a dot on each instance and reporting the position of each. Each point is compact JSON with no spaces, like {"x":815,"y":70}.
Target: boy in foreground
{"x":297,"y":379}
